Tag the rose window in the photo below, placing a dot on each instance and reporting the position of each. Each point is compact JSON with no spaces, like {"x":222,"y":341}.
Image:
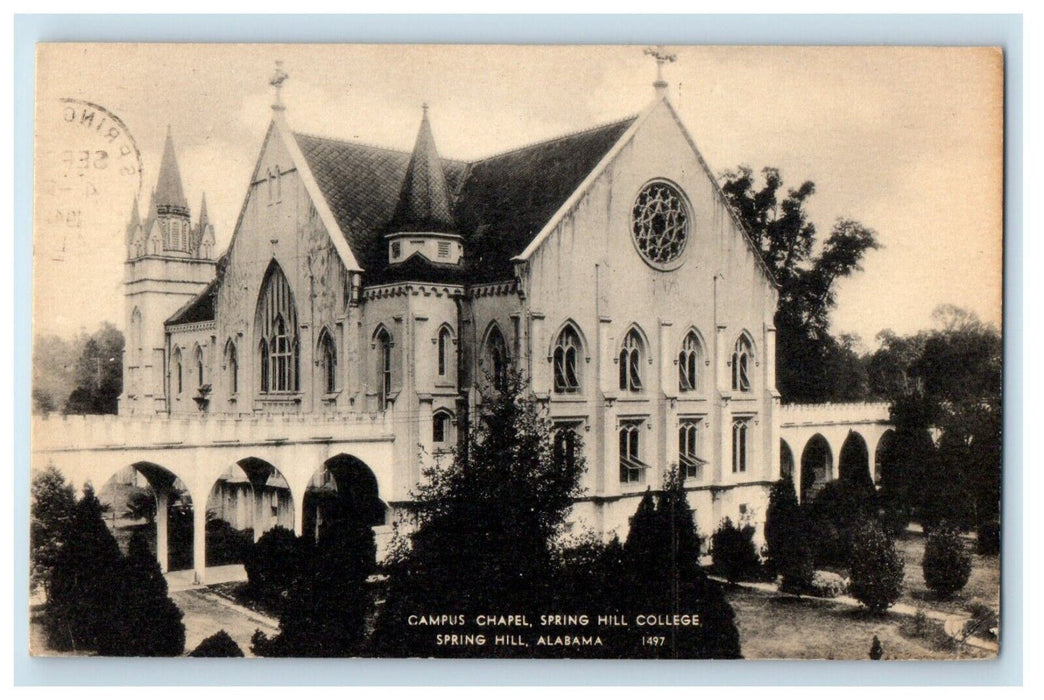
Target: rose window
{"x":660,"y":223}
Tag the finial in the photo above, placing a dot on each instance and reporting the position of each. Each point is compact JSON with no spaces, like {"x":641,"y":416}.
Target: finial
{"x":424,"y":107}
{"x":278,"y":78}
{"x":661,"y":57}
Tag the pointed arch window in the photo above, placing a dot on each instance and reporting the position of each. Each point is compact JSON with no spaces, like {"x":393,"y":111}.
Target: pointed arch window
{"x":197,"y":356}
{"x":175,"y":367}
{"x":442,"y":429}
{"x":232,"y":365}
{"x":742,"y":361}
{"x":740,"y":444}
{"x":445,"y":350}
{"x":566,"y":357}
{"x":689,"y":363}
{"x":383,"y":346}
{"x":328,"y":361}
{"x":630,"y":361}
{"x":276,"y":326}
{"x":496,"y":358}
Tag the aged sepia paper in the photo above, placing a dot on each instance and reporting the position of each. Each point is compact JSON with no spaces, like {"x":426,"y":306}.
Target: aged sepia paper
{"x":517,"y":351}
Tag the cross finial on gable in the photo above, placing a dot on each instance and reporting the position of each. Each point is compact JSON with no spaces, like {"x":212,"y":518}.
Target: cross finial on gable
{"x":661,"y":56}
{"x":279,"y":77}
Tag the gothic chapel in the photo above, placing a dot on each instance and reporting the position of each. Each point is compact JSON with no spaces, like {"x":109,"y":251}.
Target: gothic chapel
{"x":369,"y":284}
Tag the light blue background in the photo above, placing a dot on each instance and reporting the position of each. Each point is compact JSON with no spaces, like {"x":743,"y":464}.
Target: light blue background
{"x":993,"y":30}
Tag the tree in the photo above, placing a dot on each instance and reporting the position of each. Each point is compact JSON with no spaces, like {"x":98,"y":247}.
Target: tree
{"x":733,"y":551}
{"x":787,"y":538}
{"x":328,"y":603}
{"x":272,"y":565}
{"x":487,"y":526}
{"x":149,"y":622}
{"x":876,"y":568}
{"x":834,"y":517}
{"x":946,"y":563}
{"x":99,"y":373}
{"x":54,"y":371}
{"x":51,"y":513}
{"x":663,"y":575}
{"x":812,"y":365}
{"x":85,"y":583}
{"x":217,"y":645}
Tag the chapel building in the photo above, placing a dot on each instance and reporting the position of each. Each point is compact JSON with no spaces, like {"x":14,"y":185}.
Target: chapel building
{"x":365,"y":281}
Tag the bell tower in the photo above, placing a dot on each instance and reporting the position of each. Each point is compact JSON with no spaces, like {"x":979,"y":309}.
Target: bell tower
{"x":169,"y":262}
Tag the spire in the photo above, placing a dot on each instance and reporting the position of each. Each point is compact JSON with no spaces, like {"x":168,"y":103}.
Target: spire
{"x":424,"y":201}
{"x":170,"y":197}
{"x":135,"y":219}
{"x":203,"y":219}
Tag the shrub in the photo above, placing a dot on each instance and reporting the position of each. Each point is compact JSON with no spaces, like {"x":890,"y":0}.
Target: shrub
{"x":989,"y":537}
{"x":788,"y":547}
{"x":217,"y":645}
{"x":946,"y":563}
{"x":876,"y":650}
{"x":876,"y":568}
{"x":827,"y":584}
{"x":733,"y":551}
{"x":833,"y":518}
{"x":272,"y":564}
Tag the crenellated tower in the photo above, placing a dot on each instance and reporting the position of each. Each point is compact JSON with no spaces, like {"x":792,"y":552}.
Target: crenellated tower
{"x":169,"y":262}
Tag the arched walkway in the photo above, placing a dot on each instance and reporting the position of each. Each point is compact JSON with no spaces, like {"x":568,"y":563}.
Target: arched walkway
{"x":248,"y":499}
{"x":884,"y":455}
{"x":342,"y":492}
{"x":147,"y":496}
{"x":854,"y":460}
{"x":817,"y":462}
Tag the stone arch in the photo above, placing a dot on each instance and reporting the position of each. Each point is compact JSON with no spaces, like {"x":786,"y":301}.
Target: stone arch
{"x":246,"y":500}
{"x":853,"y":462}
{"x":817,"y":461}
{"x":787,"y":468}
{"x":343,"y":491}
{"x":884,"y":455}
{"x":149,"y":492}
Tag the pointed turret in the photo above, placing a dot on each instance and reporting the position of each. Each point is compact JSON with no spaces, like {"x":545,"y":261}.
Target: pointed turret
{"x":203,"y":220}
{"x":170,"y":196}
{"x":135,"y":220}
{"x":424,"y":201}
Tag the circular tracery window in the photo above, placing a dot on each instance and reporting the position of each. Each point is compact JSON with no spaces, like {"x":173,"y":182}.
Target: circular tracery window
{"x":660,"y":224}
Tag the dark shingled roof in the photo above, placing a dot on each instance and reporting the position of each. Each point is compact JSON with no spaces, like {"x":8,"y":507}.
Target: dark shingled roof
{"x":500,"y":202}
{"x":424,"y":201}
{"x":202,"y":307}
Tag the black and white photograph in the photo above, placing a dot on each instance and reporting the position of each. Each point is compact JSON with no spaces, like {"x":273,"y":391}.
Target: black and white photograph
{"x":517,"y":351}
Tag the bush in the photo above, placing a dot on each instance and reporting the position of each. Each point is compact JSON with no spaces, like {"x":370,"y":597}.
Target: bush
{"x":946,"y":563}
{"x":876,"y":568}
{"x":272,"y":564}
{"x":876,"y":650}
{"x":827,"y":584}
{"x":989,"y":538}
{"x":789,"y":550}
{"x":833,"y":518}
{"x":217,"y":645}
{"x":733,"y":551}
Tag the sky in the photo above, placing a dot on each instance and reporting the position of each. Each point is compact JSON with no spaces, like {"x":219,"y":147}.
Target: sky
{"x":907,"y":141}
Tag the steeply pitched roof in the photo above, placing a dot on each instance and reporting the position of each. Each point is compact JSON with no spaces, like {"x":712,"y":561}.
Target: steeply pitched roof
{"x":500,"y":202}
{"x":169,"y":192}
{"x":424,"y":201}
{"x":202,"y":307}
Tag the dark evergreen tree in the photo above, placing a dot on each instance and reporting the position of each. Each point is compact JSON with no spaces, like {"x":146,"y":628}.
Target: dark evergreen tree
{"x":148,"y":621}
{"x":733,"y":552}
{"x":876,"y":650}
{"x":946,"y":564}
{"x":273,"y":564}
{"x":329,"y":602}
{"x":217,"y":645}
{"x":787,"y":538}
{"x":837,"y":512}
{"x":51,"y":513}
{"x":486,"y":530}
{"x":82,"y":607}
{"x":876,"y":568}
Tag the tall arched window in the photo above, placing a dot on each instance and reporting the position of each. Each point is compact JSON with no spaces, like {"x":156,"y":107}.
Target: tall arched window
{"x":175,"y":371}
{"x":445,"y":349}
{"x":276,"y":325}
{"x":631,"y":362}
{"x":328,"y":361}
{"x":689,"y":363}
{"x":496,"y":358}
{"x":232,"y":365}
{"x":197,"y":356}
{"x":383,"y":346}
{"x":566,"y":358}
{"x":442,"y":429}
{"x":740,"y":430}
{"x":742,"y":361}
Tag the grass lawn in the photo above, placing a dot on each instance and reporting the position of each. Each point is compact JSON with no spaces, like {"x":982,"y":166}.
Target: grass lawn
{"x":782,"y":627}
{"x":984,"y":584}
